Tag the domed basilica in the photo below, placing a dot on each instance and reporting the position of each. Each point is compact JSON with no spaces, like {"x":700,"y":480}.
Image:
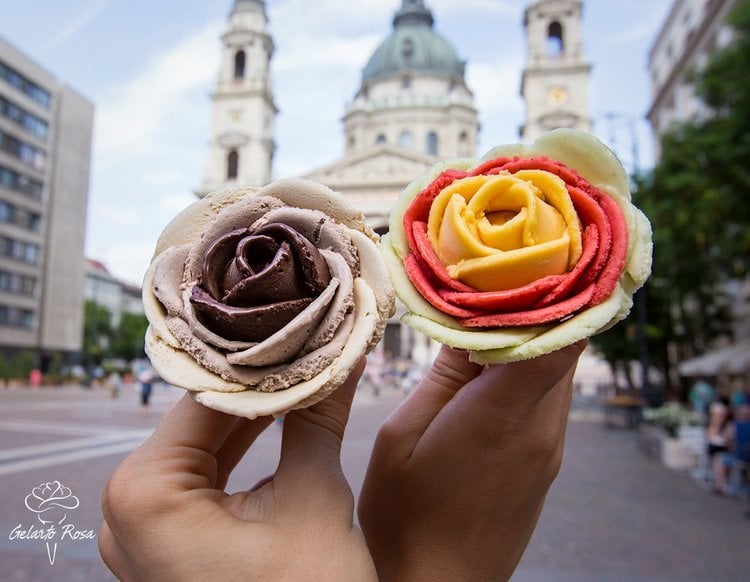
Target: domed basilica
{"x":412,"y":108}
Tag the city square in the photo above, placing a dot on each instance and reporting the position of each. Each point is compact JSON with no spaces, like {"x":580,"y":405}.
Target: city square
{"x":243,"y":198}
{"x":612,"y":514}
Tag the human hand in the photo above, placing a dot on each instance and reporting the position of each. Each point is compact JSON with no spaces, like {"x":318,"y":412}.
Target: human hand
{"x":168,"y":518}
{"x":459,"y":472}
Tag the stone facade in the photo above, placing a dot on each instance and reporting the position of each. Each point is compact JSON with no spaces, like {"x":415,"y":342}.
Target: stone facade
{"x":555,"y":80}
{"x":242,"y":140}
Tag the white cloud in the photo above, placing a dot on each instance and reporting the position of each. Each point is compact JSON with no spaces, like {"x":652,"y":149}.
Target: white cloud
{"x":120,"y":215}
{"x":451,"y":6}
{"x":642,"y":31}
{"x":79,"y":22}
{"x":136,"y":113}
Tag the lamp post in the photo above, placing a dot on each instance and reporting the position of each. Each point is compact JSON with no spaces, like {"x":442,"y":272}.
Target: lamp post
{"x":614,"y":122}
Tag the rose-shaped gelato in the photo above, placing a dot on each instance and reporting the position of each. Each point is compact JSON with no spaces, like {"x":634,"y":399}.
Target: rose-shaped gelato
{"x":262,"y":300}
{"x":51,"y":502}
{"x":529,"y":250}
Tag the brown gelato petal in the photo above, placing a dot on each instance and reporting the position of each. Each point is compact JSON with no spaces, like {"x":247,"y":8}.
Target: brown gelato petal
{"x":247,"y":324}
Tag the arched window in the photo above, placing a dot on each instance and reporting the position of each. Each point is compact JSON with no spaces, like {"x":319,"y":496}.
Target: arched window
{"x":432,"y":144}
{"x":233,"y":164}
{"x":380,"y":139}
{"x":239,"y":65}
{"x":406,"y":140}
{"x":555,"y":45}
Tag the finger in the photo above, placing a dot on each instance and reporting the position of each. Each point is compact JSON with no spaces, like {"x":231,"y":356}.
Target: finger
{"x":242,"y":435}
{"x":506,"y":399}
{"x":312,"y":436}
{"x":110,"y":551}
{"x":450,"y":371}
{"x":190,"y":424}
{"x":520,"y":386}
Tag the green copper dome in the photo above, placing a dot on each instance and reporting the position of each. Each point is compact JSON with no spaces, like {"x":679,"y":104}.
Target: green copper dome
{"x":413,"y":46}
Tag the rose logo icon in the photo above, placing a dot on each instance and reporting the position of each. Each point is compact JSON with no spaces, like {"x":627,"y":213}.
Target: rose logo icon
{"x":51,"y":502}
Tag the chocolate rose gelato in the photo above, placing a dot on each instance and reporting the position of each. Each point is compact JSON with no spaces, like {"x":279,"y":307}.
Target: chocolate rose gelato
{"x":262,"y":300}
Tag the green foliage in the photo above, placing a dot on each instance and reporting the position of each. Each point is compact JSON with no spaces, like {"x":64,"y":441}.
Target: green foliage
{"x":17,"y":365}
{"x":695,"y":199}
{"x":97,"y":332}
{"x":128,"y":341}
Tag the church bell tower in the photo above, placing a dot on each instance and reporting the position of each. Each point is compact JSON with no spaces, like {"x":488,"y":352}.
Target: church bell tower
{"x":555,"y":79}
{"x":242,"y":138}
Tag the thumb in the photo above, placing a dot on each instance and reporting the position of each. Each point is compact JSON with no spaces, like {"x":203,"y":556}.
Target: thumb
{"x":312,"y":436}
{"x":450,"y":371}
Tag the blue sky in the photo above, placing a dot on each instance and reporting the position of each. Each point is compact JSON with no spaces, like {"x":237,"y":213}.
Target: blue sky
{"x":149,"y":68}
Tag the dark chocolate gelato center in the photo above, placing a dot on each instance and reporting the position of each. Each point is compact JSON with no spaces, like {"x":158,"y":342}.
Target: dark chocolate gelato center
{"x":255,"y":281}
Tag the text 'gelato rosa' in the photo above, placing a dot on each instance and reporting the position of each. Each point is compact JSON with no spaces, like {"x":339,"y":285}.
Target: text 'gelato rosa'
{"x":262,"y":300}
{"x":524,"y":252}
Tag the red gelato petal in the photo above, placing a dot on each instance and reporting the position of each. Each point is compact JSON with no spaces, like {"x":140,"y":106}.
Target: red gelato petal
{"x":571,"y":279}
{"x":536,"y":316}
{"x":511,"y":300}
{"x":618,"y":255}
{"x":423,"y":284}
{"x":430,"y":261}
{"x":419,"y":209}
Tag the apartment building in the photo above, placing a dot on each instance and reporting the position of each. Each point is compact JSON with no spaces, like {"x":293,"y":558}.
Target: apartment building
{"x":45,"y":152}
{"x":692,"y":31}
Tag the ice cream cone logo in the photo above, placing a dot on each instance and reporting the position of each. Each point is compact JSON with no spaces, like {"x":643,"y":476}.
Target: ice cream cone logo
{"x":51,"y":502}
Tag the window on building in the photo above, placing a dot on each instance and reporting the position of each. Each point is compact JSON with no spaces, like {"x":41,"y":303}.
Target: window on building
{"x":555,"y":44}
{"x":239,"y":65}
{"x":406,"y":140}
{"x":380,"y":139}
{"x":25,"y":85}
{"x":432,"y":144}
{"x":233,"y":164}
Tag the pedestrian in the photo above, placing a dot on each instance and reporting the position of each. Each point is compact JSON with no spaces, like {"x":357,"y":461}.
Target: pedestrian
{"x":457,"y":478}
{"x":146,"y":378}
{"x":115,"y":384}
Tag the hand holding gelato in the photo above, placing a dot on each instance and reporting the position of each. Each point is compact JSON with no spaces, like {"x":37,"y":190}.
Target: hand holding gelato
{"x":263,"y":300}
{"x":532,"y":249}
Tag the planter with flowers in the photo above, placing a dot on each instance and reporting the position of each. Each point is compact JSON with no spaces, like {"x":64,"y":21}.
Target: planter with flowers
{"x":674,"y":435}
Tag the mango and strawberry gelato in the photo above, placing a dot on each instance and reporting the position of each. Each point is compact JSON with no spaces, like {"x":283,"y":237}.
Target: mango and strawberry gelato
{"x":529,"y":250}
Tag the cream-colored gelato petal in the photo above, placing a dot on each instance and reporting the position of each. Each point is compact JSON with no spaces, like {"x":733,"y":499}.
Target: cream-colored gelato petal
{"x":374,"y":271}
{"x":214,"y":360}
{"x":178,"y":368}
{"x":155,"y":311}
{"x":581,"y":326}
{"x":301,"y":193}
{"x":283,"y":345}
{"x":340,"y":306}
{"x":252,"y":404}
{"x":311,"y":364}
{"x":472,"y":340}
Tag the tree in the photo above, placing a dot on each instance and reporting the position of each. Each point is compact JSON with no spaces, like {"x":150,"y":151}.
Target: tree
{"x":129,"y":337}
{"x":97,"y":332}
{"x":695,"y":198}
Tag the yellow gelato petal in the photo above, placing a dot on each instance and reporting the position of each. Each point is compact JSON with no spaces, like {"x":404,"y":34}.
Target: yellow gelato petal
{"x":509,"y":270}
